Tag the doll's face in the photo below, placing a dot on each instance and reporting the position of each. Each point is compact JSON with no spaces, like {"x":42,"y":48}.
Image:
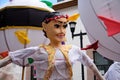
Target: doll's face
{"x":56,"y":29}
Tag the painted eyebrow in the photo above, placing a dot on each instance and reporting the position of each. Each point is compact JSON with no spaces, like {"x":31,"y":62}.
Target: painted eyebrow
{"x":62,"y":22}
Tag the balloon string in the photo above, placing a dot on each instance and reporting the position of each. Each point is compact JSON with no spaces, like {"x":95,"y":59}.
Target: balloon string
{"x":23,"y":69}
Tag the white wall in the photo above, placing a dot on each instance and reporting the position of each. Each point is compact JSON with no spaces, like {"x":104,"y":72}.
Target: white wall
{"x":76,"y":40}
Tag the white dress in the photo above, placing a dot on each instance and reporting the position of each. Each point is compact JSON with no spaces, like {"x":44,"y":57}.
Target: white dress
{"x":40,"y":57}
{"x":113,"y":72}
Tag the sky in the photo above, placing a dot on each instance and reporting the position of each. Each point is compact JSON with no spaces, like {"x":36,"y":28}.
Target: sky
{"x":53,"y":1}
{"x":4,"y":1}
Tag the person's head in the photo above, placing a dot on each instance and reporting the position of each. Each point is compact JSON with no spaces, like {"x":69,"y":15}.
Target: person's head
{"x":54,"y":26}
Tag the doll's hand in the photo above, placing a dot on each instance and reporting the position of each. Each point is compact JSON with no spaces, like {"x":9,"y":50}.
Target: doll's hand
{"x":101,"y":78}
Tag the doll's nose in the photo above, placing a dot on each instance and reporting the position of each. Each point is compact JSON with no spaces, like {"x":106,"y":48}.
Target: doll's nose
{"x":62,"y":30}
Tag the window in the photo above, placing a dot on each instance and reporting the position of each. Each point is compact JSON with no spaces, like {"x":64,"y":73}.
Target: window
{"x":101,"y":62}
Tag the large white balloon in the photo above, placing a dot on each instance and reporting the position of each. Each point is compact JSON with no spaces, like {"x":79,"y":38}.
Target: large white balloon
{"x":109,"y":46}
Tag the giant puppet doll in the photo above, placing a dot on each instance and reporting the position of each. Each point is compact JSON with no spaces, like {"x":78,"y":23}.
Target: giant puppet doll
{"x":20,"y":27}
{"x":101,"y":19}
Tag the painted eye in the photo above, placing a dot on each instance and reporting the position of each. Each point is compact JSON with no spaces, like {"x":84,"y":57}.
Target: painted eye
{"x":57,"y":25}
{"x":65,"y":25}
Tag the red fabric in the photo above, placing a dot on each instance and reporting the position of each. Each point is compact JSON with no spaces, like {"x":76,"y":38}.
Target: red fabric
{"x":4,"y":54}
{"x":113,"y":27}
{"x":92,"y":46}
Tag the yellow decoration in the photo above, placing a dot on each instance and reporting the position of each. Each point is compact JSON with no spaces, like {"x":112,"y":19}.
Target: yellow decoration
{"x":51,"y":59}
{"x":22,"y":36}
{"x":74,"y":17}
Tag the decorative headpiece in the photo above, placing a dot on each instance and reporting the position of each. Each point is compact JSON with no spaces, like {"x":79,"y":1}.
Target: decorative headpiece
{"x":54,"y":16}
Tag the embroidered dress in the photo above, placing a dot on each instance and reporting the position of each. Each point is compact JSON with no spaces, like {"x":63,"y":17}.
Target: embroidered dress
{"x":41,"y":61}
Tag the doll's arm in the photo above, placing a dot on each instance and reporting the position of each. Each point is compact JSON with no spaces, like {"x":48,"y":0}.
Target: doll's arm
{"x":94,"y":68}
{"x":96,"y":72}
{"x":5,"y":61}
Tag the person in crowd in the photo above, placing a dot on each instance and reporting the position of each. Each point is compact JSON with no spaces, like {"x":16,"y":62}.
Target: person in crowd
{"x":113,"y":72}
